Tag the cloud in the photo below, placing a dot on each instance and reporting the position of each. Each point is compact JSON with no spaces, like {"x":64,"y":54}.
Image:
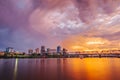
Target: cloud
{"x":55,"y":22}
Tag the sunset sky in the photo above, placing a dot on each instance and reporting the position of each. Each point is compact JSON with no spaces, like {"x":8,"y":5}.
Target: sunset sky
{"x":73,"y":24}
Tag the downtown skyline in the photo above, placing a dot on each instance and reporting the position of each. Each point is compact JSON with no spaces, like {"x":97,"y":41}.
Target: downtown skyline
{"x":73,"y":24}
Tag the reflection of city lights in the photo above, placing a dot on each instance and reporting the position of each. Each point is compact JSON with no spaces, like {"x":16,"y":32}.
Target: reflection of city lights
{"x":15,"y":69}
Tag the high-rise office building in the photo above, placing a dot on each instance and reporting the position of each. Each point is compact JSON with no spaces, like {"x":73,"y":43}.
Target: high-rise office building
{"x":42,"y":49}
{"x":58,"y":49}
{"x":37,"y":50}
{"x":9,"y":50}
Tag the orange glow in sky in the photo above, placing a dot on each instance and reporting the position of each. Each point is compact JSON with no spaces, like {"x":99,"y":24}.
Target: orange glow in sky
{"x":94,"y":42}
{"x":80,"y":43}
{"x":77,"y":25}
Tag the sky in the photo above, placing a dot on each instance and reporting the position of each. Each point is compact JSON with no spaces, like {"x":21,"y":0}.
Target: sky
{"x":78,"y":25}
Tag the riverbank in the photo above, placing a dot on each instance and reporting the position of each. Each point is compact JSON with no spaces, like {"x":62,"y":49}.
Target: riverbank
{"x":61,"y":56}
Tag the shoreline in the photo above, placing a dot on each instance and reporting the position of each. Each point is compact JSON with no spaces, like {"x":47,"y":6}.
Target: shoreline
{"x":53,"y":57}
{"x":111,"y":55}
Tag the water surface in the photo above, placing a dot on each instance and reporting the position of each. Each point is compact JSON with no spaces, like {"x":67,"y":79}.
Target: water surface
{"x":60,"y":69}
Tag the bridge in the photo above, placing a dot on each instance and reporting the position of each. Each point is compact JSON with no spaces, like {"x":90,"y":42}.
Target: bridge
{"x":94,"y":55}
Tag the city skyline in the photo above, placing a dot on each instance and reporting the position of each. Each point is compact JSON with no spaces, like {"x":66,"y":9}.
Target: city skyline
{"x":74,"y":24}
{"x":59,"y":39}
{"x":42,"y":49}
{"x":58,"y":50}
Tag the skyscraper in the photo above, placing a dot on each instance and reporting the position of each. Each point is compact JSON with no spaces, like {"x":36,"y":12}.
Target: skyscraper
{"x":9,"y":50}
{"x":37,"y":50}
{"x":42,"y":50}
{"x":58,"y":49}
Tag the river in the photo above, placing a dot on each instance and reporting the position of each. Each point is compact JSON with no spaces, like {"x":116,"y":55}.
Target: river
{"x":60,"y":69}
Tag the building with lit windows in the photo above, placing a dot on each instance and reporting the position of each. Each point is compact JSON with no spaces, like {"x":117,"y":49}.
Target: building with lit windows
{"x":58,"y":49}
{"x":10,"y":50}
{"x":37,"y":50}
{"x":43,"y":50}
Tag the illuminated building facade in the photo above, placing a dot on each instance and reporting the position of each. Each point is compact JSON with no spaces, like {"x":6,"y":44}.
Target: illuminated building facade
{"x":58,"y":49}
{"x":9,"y":50}
{"x":43,"y":50}
{"x":37,"y":50}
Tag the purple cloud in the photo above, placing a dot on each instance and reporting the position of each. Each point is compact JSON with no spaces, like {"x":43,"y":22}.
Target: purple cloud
{"x":31,"y":23}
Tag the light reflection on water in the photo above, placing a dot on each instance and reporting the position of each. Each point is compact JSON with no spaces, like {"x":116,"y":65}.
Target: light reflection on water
{"x":15,"y":69}
{"x":60,"y":69}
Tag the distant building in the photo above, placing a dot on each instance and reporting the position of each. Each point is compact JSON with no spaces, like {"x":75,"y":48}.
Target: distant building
{"x":58,"y":49}
{"x":30,"y":51}
{"x":37,"y":50}
{"x":2,"y":53}
{"x":43,"y":50}
{"x":52,"y":51}
{"x":17,"y":52}
{"x":48,"y":50}
{"x":64,"y":51}
{"x":10,"y":50}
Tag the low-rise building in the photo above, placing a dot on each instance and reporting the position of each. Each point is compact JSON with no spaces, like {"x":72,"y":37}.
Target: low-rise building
{"x":51,"y":51}
{"x":2,"y":53}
